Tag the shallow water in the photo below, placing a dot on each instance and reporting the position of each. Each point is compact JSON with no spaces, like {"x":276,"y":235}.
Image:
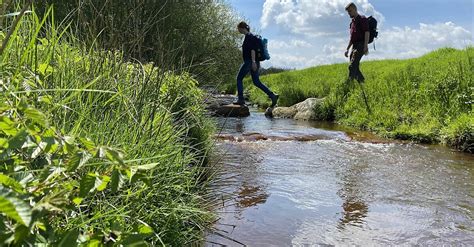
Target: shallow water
{"x":337,"y":189}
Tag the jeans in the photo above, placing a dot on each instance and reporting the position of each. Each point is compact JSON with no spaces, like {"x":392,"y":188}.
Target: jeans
{"x":244,"y":70}
{"x":356,"y":56}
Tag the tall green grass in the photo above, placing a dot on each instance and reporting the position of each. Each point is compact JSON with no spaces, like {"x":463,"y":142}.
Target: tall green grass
{"x":427,"y":99}
{"x":197,"y":36}
{"x":94,"y":149}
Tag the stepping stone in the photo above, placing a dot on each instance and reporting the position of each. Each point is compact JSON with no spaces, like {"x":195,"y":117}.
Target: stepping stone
{"x":232,"y":111}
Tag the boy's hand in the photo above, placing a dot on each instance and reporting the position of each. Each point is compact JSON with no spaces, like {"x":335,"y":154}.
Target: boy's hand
{"x":254,"y":66}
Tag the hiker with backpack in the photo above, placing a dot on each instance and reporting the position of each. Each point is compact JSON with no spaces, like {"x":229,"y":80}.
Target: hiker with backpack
{"x":253,"y":52}
{"x":361,"y":34}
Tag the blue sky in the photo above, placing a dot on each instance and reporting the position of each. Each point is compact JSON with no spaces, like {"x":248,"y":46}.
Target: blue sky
{"x":304,"y":33}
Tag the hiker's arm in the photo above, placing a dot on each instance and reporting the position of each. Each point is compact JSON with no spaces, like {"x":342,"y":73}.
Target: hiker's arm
{"x":366,"y":43}
{"x":348,"y":47}
{"x":254,"y":63}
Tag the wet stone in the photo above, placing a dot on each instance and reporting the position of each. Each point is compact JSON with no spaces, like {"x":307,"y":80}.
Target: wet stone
{"x":232,"y":111}
{"x":302,"y":111}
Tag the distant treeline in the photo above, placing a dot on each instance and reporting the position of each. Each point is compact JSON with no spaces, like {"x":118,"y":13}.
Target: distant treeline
{"x":273,"y":70}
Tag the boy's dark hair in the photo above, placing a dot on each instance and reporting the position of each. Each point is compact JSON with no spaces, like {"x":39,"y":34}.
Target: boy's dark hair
{"x":350,"y":5}
{"x":243,"y":24}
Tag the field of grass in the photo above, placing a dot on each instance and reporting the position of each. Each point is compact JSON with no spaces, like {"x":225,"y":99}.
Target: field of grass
{"x":94,"y":149}
{"x":427,"y":99}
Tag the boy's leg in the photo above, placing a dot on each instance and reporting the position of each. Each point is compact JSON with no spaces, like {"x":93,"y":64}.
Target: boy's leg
{"x":244,"y":70}
{"x":356,"y":56}
{"x":256,"y":81}
{"x":259,"y":84}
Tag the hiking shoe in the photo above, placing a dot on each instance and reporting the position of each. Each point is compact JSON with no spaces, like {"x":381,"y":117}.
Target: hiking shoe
{"x":239,"y":102}
{"x":275,"y":100}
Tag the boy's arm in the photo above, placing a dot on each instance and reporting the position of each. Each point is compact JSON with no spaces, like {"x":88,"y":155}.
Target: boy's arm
{"x":366,"y":43}
{"x":348,"y":47}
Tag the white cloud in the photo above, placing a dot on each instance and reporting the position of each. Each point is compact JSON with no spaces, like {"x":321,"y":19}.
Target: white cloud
{"x":295,"y":43}
{"x":411,"y":42}
{"x":393,"y":43}
{"x":400,"y":43}
{"x":315,"y":32}
{"x":312,"y":17}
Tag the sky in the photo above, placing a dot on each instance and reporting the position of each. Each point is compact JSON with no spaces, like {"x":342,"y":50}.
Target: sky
{"x":306,"y":33}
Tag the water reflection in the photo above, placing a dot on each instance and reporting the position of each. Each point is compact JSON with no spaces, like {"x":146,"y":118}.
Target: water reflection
{"x":239,"y":126}
{"x":352,"y":192}
{"x":355,"y":211}
{"x":250,"y":196}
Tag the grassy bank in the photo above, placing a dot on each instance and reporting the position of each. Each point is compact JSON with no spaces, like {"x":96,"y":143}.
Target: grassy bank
{"x":427,"y":99}
{"x":95,"y":149}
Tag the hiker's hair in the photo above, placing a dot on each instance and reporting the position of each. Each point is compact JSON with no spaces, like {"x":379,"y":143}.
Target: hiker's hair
{"x":243,"y":24}
{"x":351,"y":5}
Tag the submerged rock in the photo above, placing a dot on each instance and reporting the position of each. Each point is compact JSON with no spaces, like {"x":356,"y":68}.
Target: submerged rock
{"x":253,"y":137}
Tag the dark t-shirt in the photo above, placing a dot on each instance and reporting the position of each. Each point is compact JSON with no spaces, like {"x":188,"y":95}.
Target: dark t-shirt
{"x":250,"y":43}
{"x":359,"y":26}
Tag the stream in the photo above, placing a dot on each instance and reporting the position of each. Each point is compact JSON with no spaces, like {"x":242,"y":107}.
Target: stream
{"x":282,"y":182}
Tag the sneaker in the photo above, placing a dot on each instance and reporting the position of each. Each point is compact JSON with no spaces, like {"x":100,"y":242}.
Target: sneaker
{"x":275,"y":100}
{"x":239,"y":102}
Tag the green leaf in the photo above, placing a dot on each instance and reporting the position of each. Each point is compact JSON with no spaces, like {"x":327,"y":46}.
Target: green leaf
{"x":87,"y":143}
{"x":68,"y":148}
{"x":145,"y":229}
{"x":39,"y":149}
{"x":78,"y":160}
{"x":69,"y":239}
{"x":7,"y":126}
{"x":135,"y":240}
{"x":14,"y":208}
{"x":103,"y":185}
{"x":3,"y":143}
{"x":114,"y":184}
{"x":36,"y":116}
{"x":47,"y":99}
{"x":18,"y":140}
{"x":52,"y":144}
{"x":45,"y":69}
{"x":142,"y":177}
{"x":114,"y":155}
{"x":21,"y":232}
{"x":77,"y":200}
{"x":94,"y":243}
{"x":4,"y":107}
{"x":87,"y":184}
{"x":11,"y":183}
{"x":110,"y":154}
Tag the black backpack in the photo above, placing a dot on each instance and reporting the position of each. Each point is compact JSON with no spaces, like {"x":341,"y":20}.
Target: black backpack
{"x":372,"y":29}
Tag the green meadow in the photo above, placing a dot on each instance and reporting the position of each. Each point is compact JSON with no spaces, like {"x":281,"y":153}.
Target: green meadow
{"x":427,"y":99}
